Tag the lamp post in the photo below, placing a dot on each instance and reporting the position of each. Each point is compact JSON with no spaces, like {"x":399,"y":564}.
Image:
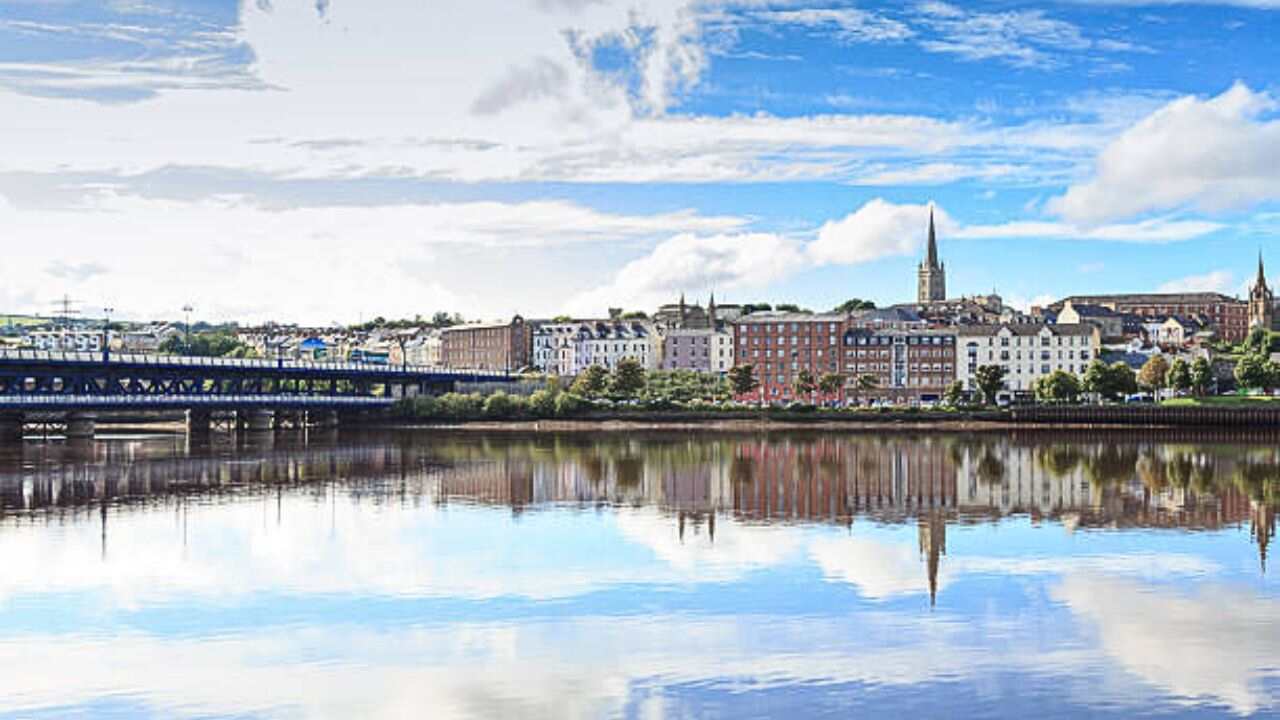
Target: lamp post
{"x":106,"y":333}
{"x":186,"y":311}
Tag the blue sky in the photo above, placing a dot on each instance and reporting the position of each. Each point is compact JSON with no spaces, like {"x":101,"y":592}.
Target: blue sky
{"x":327,"y":161}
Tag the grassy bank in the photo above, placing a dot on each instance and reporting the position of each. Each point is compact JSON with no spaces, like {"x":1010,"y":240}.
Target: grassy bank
{"x":1224,"y":401}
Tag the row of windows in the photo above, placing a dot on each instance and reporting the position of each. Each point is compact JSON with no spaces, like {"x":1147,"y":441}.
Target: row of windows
{"x":759,"y":328}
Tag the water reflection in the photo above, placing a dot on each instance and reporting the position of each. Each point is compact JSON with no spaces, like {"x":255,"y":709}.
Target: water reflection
{"x":648,"y":574}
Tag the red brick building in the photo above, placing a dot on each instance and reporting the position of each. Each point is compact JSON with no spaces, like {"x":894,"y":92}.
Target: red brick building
{"x":505,"y":346}
{"x":1228,"y":316}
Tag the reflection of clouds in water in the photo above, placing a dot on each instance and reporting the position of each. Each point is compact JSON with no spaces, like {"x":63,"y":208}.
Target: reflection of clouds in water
{"x":1219,"y":643}
{"x":235,"y":549}
{"x":879,"y":570}
{"x":571,"y":668}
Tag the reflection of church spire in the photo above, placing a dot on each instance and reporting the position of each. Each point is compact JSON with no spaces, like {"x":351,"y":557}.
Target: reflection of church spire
{"x":933,"y":544}
{"x":680,"y":515}
{"x":711,"y":527}
{"x":1262,"y":527}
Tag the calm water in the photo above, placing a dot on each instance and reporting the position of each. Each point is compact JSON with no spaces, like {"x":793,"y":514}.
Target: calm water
{"x":640,"y":576}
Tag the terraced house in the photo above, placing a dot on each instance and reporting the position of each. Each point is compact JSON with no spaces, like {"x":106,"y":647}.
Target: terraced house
{"x":908,"y":367}
{"x":1027,"y":352}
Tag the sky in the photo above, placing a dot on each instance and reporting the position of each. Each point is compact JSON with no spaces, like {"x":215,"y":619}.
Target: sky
{"x":328,"y":161}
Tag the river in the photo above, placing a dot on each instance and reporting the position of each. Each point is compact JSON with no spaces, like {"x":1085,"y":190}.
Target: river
{"x":640,"y":575}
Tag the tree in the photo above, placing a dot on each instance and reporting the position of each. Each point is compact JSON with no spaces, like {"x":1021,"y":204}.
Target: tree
{"x":865,"y":383}
{"x":749,"y":308}
{"x":1251,"y":371}
{"x":591,"y":383}
{"x":1179,"y":377}
{"x":954,"y":394}
{"x":742,"y":378}
{"x":1201,"y":376}
{"x":1154,"y":374}
{"x":788,"y":307}
{"x":628,"y":379}
{"x":1109,"y":382}
{"x":854,"y":304}
{"x":1058,"y":386}
{"x":804,"y":384}
{"x":990,"y":381}
{"x":830,"y":383}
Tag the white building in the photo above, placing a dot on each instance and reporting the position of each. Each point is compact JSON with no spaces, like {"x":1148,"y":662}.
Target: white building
{"x":568,"y":348}
{"x":1026,"y":352}
{"x":68,"y":340}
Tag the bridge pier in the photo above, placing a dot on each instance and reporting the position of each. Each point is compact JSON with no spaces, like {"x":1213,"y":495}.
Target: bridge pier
{"x":199,"y":422}
{"x":260,"y":420}
{"x":11,"y":427}
{"x":81,"y":425}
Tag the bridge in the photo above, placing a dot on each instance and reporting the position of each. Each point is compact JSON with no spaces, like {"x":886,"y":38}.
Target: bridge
{"x":74,"y":388}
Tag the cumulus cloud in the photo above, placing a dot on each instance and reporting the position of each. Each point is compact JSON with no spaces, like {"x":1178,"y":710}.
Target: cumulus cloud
{"x":693,"y":262}
{"x":1216,"y":281}
{"x":877,"y":229}
{"x":1215,"y":154}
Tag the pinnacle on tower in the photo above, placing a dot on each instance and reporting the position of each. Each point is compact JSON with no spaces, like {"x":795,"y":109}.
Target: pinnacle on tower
{"x":1262,"y":275}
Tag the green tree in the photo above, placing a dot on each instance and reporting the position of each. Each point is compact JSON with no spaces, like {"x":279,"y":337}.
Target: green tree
{"x":990,"y":381}
{"x":1179,"y":377}
{"x":749,"y":308}
{"x":829,"y":384}
{"x":628,"y":379}
{"x":742,"y":378}
{"x":1109,"y":382}
{"x":1251,"y":371}
{"x":804,"y":385}
{"x":591,"y":383}
{"x":1058,"y":386}
{"x":1154,"y":374}
{"x":853,"y":304}
{"x":788,"y":307}
{"x":542,"y":403}
{"x":1123,"y":380}
{"x":1201,"y":376}
{"x":864,"y":384}
{"x":954,"y":394}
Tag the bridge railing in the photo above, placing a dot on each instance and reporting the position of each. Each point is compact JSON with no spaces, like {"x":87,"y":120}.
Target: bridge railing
{"x":71,"y":401}
{"x":56,"y":356}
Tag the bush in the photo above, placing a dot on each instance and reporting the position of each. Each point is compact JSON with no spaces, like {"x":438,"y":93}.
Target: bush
{"x":542,"y":403}
{"x":456,"y":406}
{"x":568,"y":405}
{"x":501,"y":406}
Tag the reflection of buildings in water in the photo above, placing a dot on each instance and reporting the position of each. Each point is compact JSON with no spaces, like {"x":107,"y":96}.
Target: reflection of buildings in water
{"x":933,"y":545}
{"x":1262,"y":530}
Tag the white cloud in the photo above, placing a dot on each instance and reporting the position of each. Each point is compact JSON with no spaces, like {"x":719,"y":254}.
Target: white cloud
{"x":1021,"y":38}
{"x":1159,"y":230}
{"x":696,"y":263}
{"x":1216,"y":281}
{"x":1215,"y":154}
{"x":850,"y":24}
{"x":235,"y":260}
{"x":878,"y":229}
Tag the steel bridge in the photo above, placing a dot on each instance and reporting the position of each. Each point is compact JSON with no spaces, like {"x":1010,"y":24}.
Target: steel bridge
{"x":71,"y":388}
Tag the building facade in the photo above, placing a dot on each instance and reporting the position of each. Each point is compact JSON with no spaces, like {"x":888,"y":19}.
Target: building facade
{"x":780,"y":345}
{"x":504,"y":346}
{"x":931,"y":277}
{"x":704,"y":350}
{"x":908,"y":367}
{"x":1228,"y":316}
{"x":1027,"y":352}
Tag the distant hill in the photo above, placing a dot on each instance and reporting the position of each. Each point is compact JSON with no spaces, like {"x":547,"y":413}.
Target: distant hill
{"x":23,"y":320}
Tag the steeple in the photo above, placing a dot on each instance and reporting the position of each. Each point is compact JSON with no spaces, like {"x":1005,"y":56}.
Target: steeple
{"x":931,"y":276}
{"x":1262,"y":274}
{"x":1261,"y":300}
{"x":932,"y":259}
{"x":711,"y":310}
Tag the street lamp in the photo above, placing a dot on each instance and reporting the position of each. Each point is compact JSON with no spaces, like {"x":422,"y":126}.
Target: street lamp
{"x":186,"y":310}
{"x":106,"y":333}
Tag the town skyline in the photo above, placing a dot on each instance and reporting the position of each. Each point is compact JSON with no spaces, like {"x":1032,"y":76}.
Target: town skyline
{"x":323,"y":161}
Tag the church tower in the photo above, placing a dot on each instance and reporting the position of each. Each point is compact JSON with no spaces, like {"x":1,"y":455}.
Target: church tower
{"x":932,"y":274}
{"x":1261,"y":301}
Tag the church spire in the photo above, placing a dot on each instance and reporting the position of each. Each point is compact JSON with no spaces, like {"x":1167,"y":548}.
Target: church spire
{"x":1262,"y":274}
{"x":932,"y":259}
